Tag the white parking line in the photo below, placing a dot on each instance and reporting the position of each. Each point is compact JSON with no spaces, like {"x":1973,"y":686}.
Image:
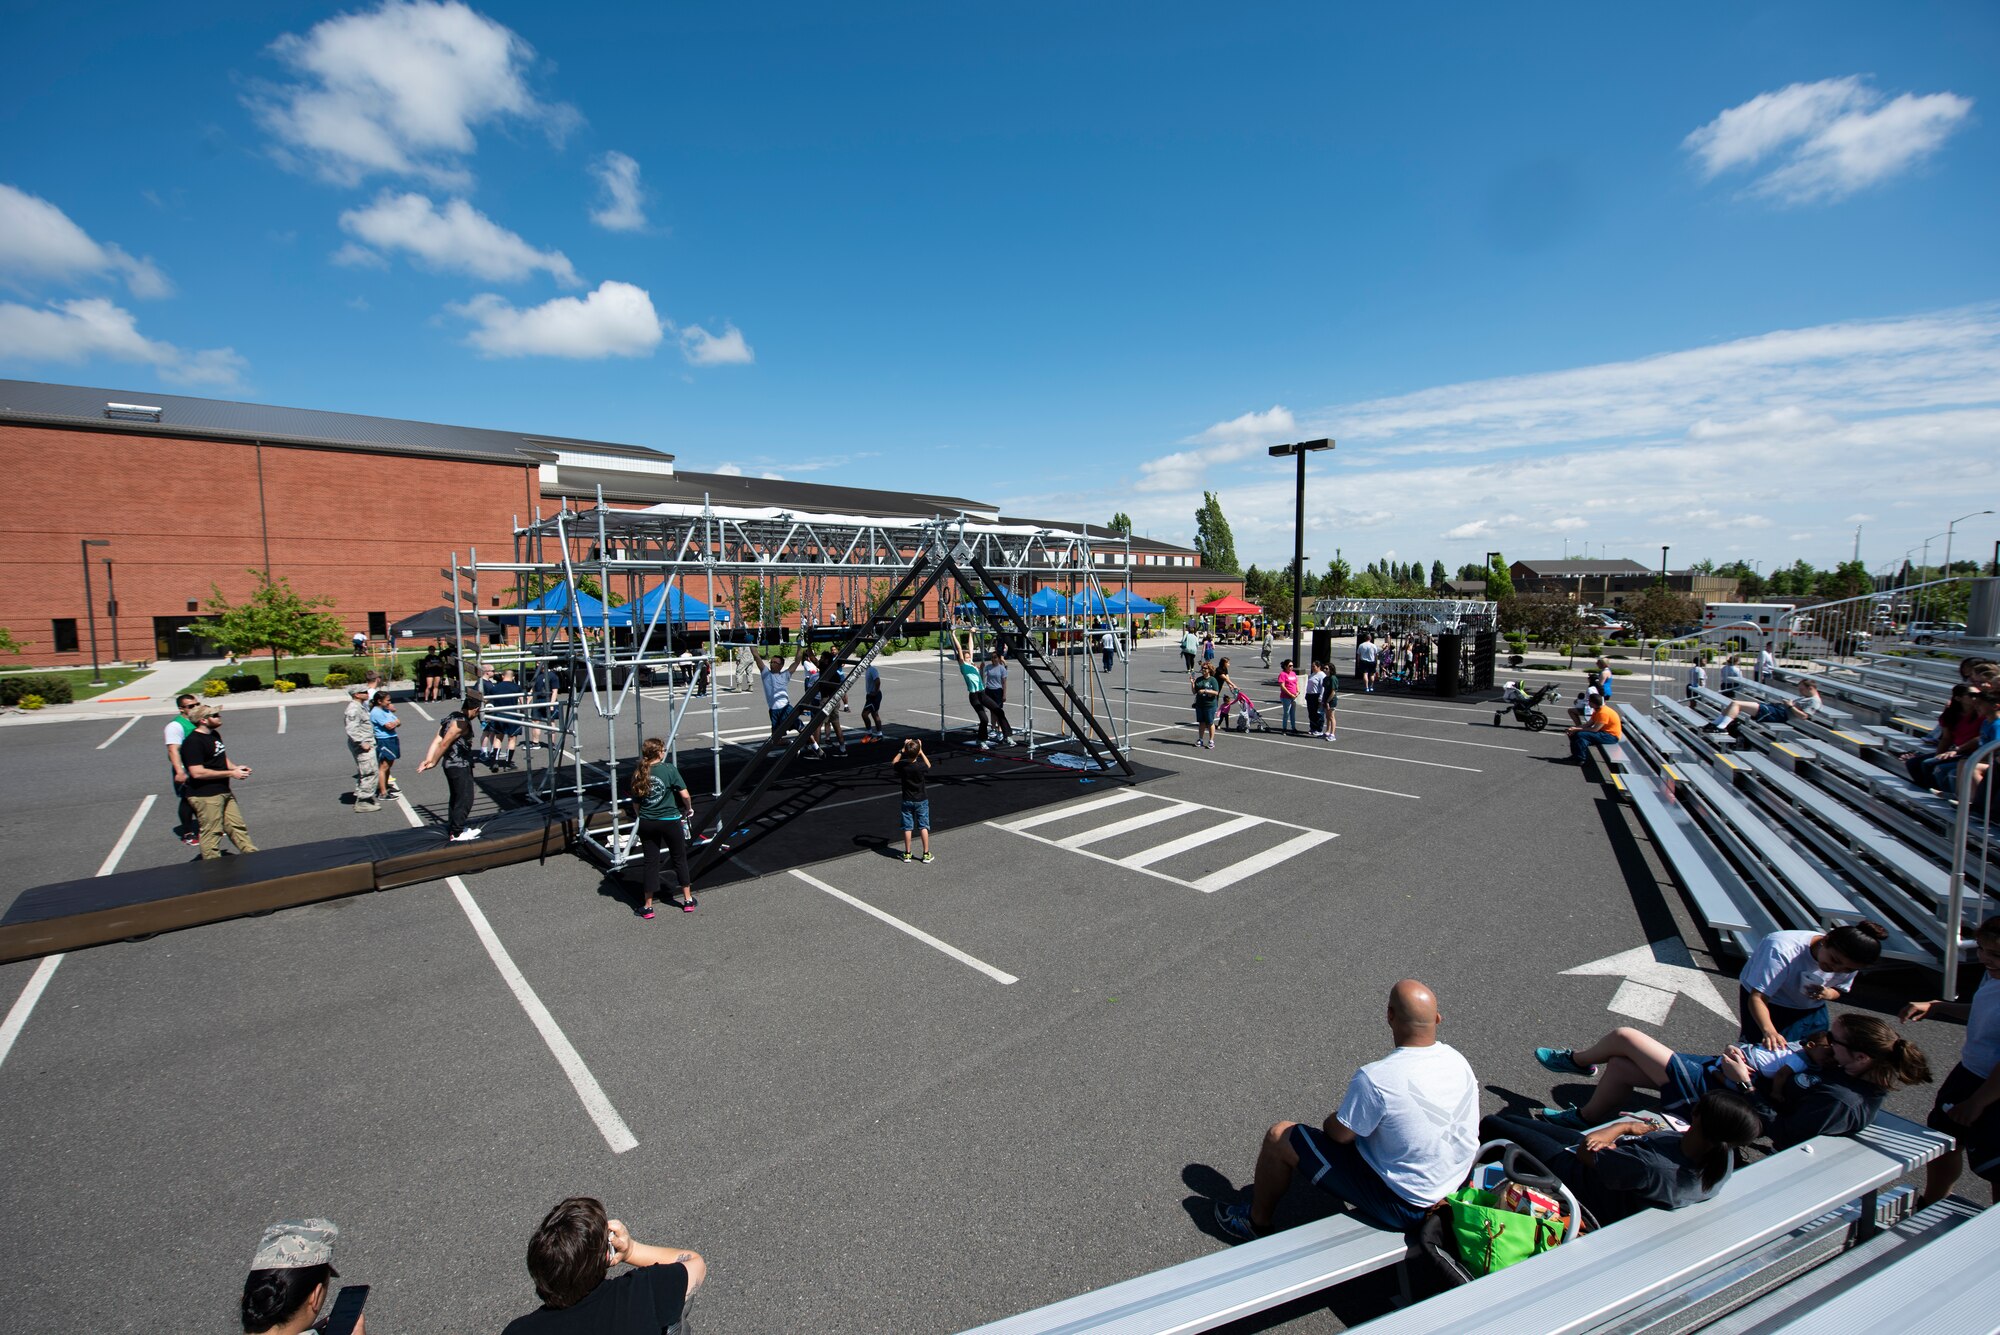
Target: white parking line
{"x":1109,"y":799}
{"x":1130,"y":823}
{"x":24,"y":1005}
{"x":281,"y":718}
{"x":421,"y":710}
{"x":997,"y":975}
{"x":612,"y":1126}
{"x":1257,"y":862}
{"x":120,"y":733}
{"x":1260,"y":769}
{"x":1172,"y":808}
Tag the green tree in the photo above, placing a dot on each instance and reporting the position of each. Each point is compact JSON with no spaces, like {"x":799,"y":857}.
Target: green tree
{"x":1499,"y":584}
{"x":1121,"y":523}
{"x":1339,"y":575}
{"x":8,"y":644}
{"x":1472,"y":570}
{"x":1212,"y":537}
{"x":1437,"y":575}
{"x":1850,"y":579}
{"x":762,"y":608}
{"x":1211,"y":595}
{"x":273,"y":617}
{"x":1170,"y":607}
{"x":1659,"y":611}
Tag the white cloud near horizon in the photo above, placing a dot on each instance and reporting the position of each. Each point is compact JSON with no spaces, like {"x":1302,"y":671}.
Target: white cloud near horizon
{"x":1824,"y":141}
{"x":728,"y":348}
{"x":1225,"y":442}
{"x":614,"y":320}
{"x":79,"y":330}
{"x":39,"y":243}
{"x":622,"y":204}
{"x":1715,"y":450}
{"x":400,"y":90}
{"x":457,"y":238}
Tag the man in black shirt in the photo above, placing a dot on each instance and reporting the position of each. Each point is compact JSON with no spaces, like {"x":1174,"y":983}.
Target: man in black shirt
{"x":569,"y":1257}
{"x":209,"y":771}
{"x":910,"y":764}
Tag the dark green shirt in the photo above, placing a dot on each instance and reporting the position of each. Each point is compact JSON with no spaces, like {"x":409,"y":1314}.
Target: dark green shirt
{"x":659,"y":802}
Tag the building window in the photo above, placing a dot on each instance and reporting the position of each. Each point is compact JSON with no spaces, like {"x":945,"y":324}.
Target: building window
{"x":65,"y":634}
{"x":378,"y":625}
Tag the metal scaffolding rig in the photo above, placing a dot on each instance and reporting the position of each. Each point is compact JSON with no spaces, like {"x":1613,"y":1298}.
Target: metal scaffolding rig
{"x":637,"y":670}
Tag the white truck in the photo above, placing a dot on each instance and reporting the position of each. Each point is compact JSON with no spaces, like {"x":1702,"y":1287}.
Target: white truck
{"x":1744,"y":626}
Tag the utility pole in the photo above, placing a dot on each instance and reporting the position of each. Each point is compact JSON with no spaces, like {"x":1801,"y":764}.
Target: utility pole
{"x":90,"y":608}
{"x":1857,"y":542}
{"x":1301,"y":449}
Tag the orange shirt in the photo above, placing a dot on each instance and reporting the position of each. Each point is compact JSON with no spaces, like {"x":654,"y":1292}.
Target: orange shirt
{"x":1606,"y":720}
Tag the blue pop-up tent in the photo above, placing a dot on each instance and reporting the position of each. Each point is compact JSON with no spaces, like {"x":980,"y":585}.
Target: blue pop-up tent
{"x":1090,"y":601}
{"x":552,"y":608}
{"x":1020,"y":608}
{"x":1048,"y":602}
{"x":1125,"y":601}
{"x":682,"y":607}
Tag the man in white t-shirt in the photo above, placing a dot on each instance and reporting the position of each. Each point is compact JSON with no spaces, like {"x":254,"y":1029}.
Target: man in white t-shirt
{"x":179,"y":728}
{"x":1403,"y":1138}
{"x":1767,"y":666}
{"x":1365,"y":656}
{"x":777,"y":677}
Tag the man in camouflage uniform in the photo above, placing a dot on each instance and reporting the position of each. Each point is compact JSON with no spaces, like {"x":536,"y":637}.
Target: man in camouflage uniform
{"x":361,"y":745}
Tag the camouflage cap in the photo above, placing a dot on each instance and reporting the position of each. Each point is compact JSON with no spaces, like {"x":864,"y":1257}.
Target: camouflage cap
{"x":291,"y":1244}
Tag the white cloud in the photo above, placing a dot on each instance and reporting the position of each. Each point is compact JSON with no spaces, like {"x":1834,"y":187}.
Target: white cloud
{"x":400,"y":90}
{"x":1224,"y":442}
{"x":1826,"y":140}
{"x":615,"y":320}
{"x":1769,"y":434}
{"x":729,"y":470}
{"x":92,"y":327}
{"x":622,"y":206}
{"x":359,"y":257}
{"x":457,"y":238}
{"x":40,"y":244}
{"x":702,"y":348}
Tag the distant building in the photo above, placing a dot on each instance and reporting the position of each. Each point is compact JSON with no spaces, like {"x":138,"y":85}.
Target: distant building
{"x":196,"y":494}
{"x":1614,"y":583}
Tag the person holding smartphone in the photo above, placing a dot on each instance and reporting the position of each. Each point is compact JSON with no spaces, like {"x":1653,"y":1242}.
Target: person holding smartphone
{"x":571,"y":1256}
{"x":290,"y":1278}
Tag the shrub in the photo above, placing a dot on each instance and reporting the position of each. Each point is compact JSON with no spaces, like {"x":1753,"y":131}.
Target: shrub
{"x":398,"y":670}
{"x":296,"y":678}
{"x":214,"y":686}
{"x":285,"y":685}
{"x":52,"y":689}
{"x":338,"y":679}
{"x":243,"y":681}
{"x":31,"y":702}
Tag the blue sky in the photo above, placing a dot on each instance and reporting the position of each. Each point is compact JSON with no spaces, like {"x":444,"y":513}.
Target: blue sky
{"x":1716,"y":276}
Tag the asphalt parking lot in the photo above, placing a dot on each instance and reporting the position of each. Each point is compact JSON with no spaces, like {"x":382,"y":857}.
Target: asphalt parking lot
{"x":877,"y":1097}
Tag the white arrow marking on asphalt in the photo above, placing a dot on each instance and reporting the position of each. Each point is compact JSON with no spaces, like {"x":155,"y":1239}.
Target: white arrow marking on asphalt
{"x":1653,"y":976}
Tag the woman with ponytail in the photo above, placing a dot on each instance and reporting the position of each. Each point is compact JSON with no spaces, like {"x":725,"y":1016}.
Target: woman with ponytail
{"x":1632,"y":1164}
{"x":290,"y":1278}
{"x":1968,"y":1102}
{"x":664,"y":807}
{"x":1791,"y":976}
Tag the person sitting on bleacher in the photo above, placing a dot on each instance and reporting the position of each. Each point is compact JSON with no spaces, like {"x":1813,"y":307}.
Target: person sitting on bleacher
{"x":1956,"y":726}
{"x":1982,"y":709}
{"x":1604,"y":725}
{"x":1403,"y":1138}
{"x":1832,"y":1087}
{"x":1790,"y":976}
{"x":1631,"y":1163}
{"x":1697,"y":679}
{"x":1968,"y":1102}
{"x":1732,"y":676}
{"x":1586,"y":702}
{"x":1769,"y":711}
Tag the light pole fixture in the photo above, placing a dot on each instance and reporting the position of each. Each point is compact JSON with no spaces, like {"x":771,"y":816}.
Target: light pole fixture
{"x":111,"y":606}
{"x":1664,"y":549}
{"x":1301,"y":449}
{"x":90,"y":607}
{"x":1947,"y":536}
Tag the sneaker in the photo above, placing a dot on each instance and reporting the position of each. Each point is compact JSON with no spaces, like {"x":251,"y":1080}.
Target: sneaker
{"x":191,"y":841}
{"x":646,"y":912}
{"x":928,"y":857}
{"x":1567,"y":1118}
{"x":909,"y":857}
{"x":369,"y":804}
{"x":394,"y":789}
{"x":1234,"y":1220}
{"x":1563,"y":1062}
{"x":465,"y":836}
{"x":1333,"y":737}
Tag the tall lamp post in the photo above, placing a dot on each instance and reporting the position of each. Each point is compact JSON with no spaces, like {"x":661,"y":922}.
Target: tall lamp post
{"x":1947,"y":536}
{"x":90,"y":607}
{"x":1301,"y":449}
{"x":111,"y":606}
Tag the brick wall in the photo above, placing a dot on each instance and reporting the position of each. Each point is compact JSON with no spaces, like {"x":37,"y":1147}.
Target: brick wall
{"x":369,"y":530}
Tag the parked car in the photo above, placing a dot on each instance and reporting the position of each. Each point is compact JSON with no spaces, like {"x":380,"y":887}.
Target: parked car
{"x":1928,"y":632}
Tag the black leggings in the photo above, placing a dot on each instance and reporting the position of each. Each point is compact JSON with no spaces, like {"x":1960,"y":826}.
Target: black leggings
{"x":460,"y":811}
{"x":653,"y":834}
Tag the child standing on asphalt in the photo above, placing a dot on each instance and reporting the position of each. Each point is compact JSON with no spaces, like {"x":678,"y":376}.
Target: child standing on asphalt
{"x":911,"y":764}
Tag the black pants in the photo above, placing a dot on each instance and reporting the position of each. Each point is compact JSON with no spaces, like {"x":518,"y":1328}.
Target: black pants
{"x":1109,"y":655}
{"x":460,"y":810}
{"x":1315,"y":714}
{"x":654,"y":835}
{"x":190,"y":824}
{"x":1187,"y":656}
{"x":1556,"y":1146}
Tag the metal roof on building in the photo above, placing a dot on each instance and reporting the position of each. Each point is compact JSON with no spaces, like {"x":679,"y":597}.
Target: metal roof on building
{"x":1560,"y":567}
{"x":33,"y":403}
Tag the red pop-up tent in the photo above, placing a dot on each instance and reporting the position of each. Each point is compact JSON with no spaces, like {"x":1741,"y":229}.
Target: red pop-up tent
{"x":1231,"y":606}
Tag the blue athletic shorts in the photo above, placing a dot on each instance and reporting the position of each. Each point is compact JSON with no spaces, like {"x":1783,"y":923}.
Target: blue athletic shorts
{"x":917,"y":815}
{"x":1770,"y":713}
{"x":388,"y":748}
{"x":1341,"y":1172}
{"x":778,"y":717}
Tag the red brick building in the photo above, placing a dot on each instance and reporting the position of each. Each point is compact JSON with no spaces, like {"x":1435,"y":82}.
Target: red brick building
{"x":189,"y":495}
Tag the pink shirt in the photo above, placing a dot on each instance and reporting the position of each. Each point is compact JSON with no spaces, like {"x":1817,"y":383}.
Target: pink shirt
{"x":1288,"y":682}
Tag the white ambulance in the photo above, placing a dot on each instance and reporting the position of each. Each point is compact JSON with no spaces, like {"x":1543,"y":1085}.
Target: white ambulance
{"x":1743,"y":626}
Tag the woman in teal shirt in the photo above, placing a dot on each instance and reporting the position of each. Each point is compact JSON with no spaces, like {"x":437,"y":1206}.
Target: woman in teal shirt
{"x":664,"y":806}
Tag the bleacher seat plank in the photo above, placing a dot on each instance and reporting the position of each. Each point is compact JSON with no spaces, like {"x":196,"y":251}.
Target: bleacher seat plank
{"x":1780,"y":858}
{"x":1922,"y":874}
{"x":1602,"y":1275}
{"x":1673,"y":834}
{"x":1219,"y":1288}
{"x":1949,"y":1285}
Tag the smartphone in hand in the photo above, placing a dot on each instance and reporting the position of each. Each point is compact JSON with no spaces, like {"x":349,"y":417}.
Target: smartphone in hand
{"x":347,"y":1309}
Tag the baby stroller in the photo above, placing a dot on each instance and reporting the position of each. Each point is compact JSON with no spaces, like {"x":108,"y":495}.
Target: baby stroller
{"x":1524,"y":706}
{"x":1512,"y":1208}
{"x":1251,"y":717}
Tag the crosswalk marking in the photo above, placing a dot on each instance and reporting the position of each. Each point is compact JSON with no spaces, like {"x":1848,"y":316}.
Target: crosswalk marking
{"x":1257,"y":862}
{"x":1147,"y":857}
{"x":1064,"y":813}
{"x":1238,"y":867}
{"x":1130,"y":823}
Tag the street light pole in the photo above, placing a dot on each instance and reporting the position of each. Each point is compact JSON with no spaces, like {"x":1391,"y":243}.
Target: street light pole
{"x":1301,"y":449}
{"x":90,"y":608}
{"x":1664,"y":549}
{"x":1947,"y":536}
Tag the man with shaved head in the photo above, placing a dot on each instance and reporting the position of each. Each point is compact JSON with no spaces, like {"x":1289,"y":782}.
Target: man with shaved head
{"x":1402,"y":1139}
